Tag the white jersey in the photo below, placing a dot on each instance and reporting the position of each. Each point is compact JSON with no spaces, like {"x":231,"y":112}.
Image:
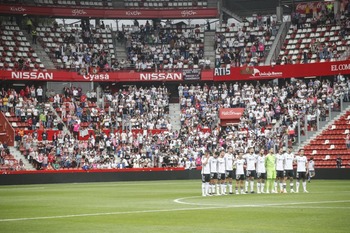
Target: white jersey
{"x":213,"y":165}
{"x":301,"y":163}
{"x":311,"y":165}
{"x":221,"y":165}
{"x":240,"y":166}
{"x":279,"y":162}
{"x":229,"y":161}
{"x":251,"y":161}
{"x":260,"y":164}
{"x":288,"y":161}
{"x":205,"y":167}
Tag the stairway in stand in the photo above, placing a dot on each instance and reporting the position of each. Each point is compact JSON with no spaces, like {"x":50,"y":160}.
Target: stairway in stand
{"x":174,"y":114}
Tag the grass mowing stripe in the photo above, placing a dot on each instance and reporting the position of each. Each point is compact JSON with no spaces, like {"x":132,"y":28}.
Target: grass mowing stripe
{"x":169,"y":210}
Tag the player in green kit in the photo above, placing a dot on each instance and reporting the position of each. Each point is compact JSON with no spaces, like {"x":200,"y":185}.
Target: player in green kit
{"x":270,"y":163}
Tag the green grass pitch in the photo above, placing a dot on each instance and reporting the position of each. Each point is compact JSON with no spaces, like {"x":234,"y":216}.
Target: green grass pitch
{"x":171,"y":206}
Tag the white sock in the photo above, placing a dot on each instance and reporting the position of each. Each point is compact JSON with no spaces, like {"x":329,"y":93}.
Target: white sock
{"x":230,"y":187}
{"x":252,"y":185}
{"x":275,"y":186}
{"x":297,"y":184}
{"x":223,"y":188}
{"x":207,"y":186}
{"x":281,"y":186}
{"x":203,"y":189}
{"x":262,"y":187}
{"x":291,"y":186}
{"x":258,"y":187}
{"x":304,"y":185}
{"x":217,"y":189}
{"x":212,"y":188}
{"x":246,"y":186}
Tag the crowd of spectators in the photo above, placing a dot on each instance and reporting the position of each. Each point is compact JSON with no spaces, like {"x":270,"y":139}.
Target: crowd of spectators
{"x":81,"y":49}
{"x":248,"y":44}
{"x":264,"y":104}
{"x":163,"y":46}
{"x":109,"y":145}
{"x":315,"y":18}
{"x":29,"y":106}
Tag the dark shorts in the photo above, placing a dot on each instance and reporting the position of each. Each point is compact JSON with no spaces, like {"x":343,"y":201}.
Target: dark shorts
{"x":301,"y":175}
{"x":240,"y":177}
{"x":280,"y":174}
{"x":251,"y":173}
{"x":213,"y":176}
{"x":221,"y":176}
{"x":229,"y":174}
{"x":261,"y":175}
{"x":289,"y":173}
{"x":205,"y":178}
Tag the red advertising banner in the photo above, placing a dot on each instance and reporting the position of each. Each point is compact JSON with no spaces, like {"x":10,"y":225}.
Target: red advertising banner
{"x":217,"y":74}
{"x":230,"y":116}
{"x":301,"y":7}
{"x":53,"y":75}
{"x":230,"y":113}
{"x":111,"y":13}
{"x":282,"y":71}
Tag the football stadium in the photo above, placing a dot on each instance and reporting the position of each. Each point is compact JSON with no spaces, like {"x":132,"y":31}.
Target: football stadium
{"x":174,"y":116}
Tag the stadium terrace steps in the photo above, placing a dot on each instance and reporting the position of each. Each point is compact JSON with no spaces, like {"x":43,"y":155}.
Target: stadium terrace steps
{"x":314,"y":134}
{"x":174,"y":114}
{"x":329,"y":142}
{"x":65,"y":129}
{"x":39,"y":50}
{"x":18,"y":155}
{"x":276,"y":45}
{"x":209,"y":46}
{"x":120,"y":51}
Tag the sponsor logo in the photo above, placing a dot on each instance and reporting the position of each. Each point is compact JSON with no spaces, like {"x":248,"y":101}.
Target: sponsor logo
{"x":161,"y":76}
{"x":96,"y":77}
{"x":222,"y":71}
{"x":31,"y":75}
{"x":133,"y":13}
{"x":231,"y":113}
{"x":340,"y":67}
{"x":188,"y":13}
{"x":18,"y":9}
{"x":256,"y":73}
{"x":76,"y":12}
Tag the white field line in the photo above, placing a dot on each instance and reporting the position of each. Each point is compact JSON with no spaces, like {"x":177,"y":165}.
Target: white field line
{"x":21,"y":188}
{"x":108,"y":213}
{"x":164,"y":210}
{"x":181,"y":201}
{"x":312,"y":207}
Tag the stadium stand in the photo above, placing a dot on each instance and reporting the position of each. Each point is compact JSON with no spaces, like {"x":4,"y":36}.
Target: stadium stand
{"x":164,"y":47}
{"x":132,"y":128}
{"x":318,"y":37}
{"x":199,"y":128}
{"x":246,"y":43}
{"x":331,"y":144}
{"x":17,"y":52}
{"x":76,"y":47}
